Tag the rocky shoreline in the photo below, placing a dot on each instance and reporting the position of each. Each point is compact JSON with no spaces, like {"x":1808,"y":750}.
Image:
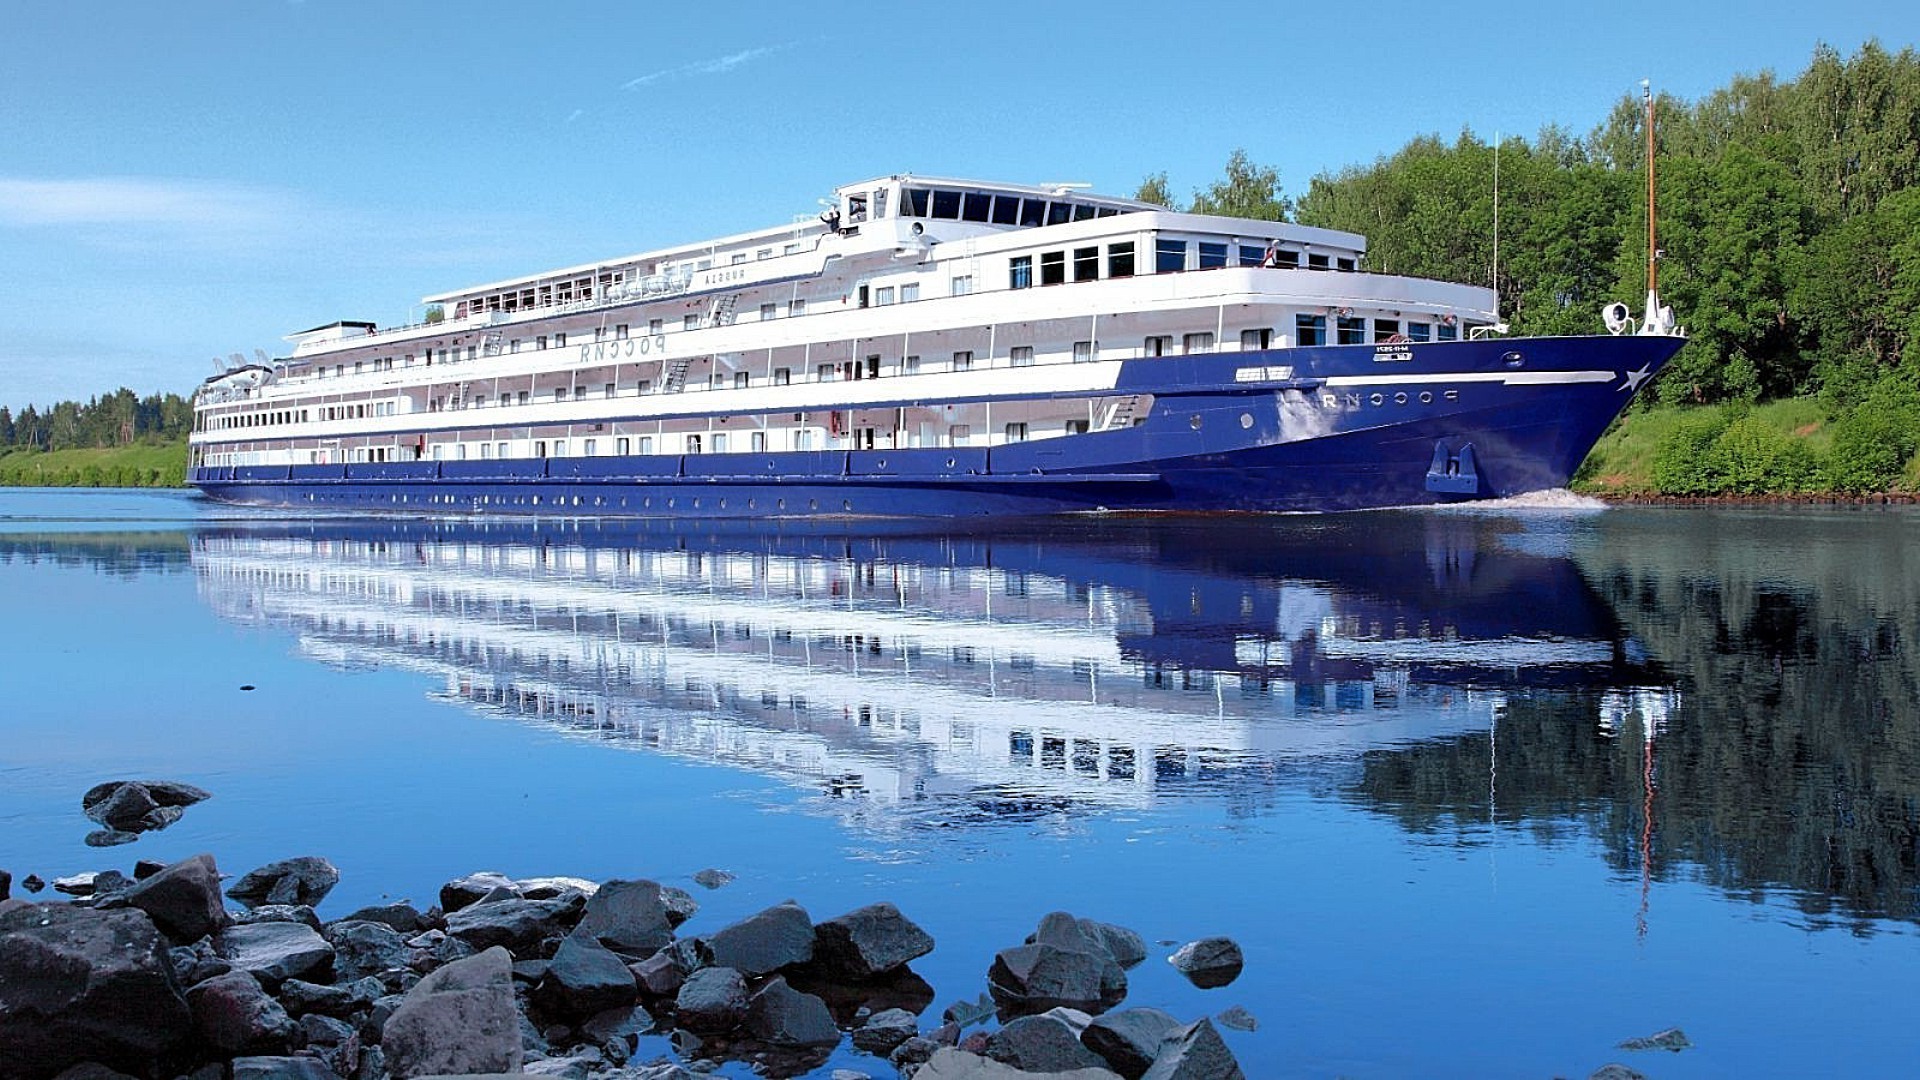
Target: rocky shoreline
{"x":153,"y":976}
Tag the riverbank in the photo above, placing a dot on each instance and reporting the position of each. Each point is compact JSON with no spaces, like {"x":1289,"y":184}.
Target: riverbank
{"x":141,"y":465}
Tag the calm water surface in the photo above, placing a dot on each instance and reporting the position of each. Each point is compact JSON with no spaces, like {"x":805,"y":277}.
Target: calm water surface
{"x":1480,"y":793}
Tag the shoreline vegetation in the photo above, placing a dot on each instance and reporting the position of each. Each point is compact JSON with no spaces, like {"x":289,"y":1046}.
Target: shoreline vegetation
{"x":1789,"y":229}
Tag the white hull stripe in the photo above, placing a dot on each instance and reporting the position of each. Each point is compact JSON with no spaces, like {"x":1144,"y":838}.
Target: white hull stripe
{"x":1511,"y":378}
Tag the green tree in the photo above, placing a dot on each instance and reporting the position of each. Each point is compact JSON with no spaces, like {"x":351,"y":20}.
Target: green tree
{"x":1154,"y":189}
{"x":1246,"y":191}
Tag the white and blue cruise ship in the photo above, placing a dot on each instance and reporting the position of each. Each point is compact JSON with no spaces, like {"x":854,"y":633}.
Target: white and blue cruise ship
{"x":932,"y":347}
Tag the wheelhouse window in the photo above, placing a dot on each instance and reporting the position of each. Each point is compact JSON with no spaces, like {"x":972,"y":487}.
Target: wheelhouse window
{"x":1086,"y":264}
{"x":1344,"y":264}
{"x":1310,"y":329}
{"x":1316,"y":262}
{"x":1419,"y":331}
{"x":1169,"y":256}
{"x":1386,"y":329}
{"x":1033,"y":212}
{"x":1020,"y":272}
{"x":916,"y":202}
{"x":1120,"y":259}
{"x":1053,"y":267}
{"x":946,"y":205}
{"x":977,"y":207}
{"x":1448,"y":332}
{"x":1212,"y":255}
{"x":1251,"y":255}
{"x":1350,"y":330}
{"x":1006,"y":210}
{"x":1059,"y":213}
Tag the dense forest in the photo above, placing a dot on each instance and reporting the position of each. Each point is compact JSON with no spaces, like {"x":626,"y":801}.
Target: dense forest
{"x":119,"y":419}
{"x":1789,"y":229}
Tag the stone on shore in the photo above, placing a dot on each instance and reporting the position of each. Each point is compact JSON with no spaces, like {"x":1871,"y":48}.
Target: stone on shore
{"x":1040,"y":1044}
{"x":1129,"y":1039}
{"x":1034,"y":978}
{"x":461,"y":892}
{"x":139,"y":805}
{"x":1209,"y":962}
{"x":680,"y":903}
{"x":519,"y":925}
{"x":362,"y":948}
{"x":1672,"y":1039}
{"x":303,"y":880}
{"x":183,"y":899}
{"x":868,"y":943}
{"x":711,"y":1000}
{"x":783,"y":1016}
{"x":711,"y":878}
{"x":627,"y":916}
{"x":885,"y":1030}
{"x":1194,"y":1052}
{"x":461,"y":1018}
{"x":82,"y":985}
{"x":1126,"y":947}
{"x":92,"y":1070}
{"x":295,"y":913}
{"x":402,"y":917}
{"x":765,"y":942}
{"x":948,"y":1063}
{"x":584,"y":979}
{"x":234,"y":1015}
{"x":661,"y":974}
{"x":275,"y":951}
{"x":282,"y":1068}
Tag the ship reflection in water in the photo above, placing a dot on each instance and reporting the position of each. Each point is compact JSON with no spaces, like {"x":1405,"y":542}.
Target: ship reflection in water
{"x":1094,"y":663}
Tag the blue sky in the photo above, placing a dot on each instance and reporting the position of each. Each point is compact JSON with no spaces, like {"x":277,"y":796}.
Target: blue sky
{"x":189,"y":179}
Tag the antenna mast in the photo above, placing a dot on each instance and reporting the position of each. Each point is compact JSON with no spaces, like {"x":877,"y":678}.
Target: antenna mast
{"x":1657,"y":319}
{"x":1496,"y":220}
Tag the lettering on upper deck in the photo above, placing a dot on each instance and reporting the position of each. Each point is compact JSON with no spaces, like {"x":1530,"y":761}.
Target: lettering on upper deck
{"x":597,"y":351}
{"x":721,"y":277}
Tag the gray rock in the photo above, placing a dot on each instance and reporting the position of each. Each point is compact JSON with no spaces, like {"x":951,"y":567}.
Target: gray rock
{"x":948,"y":1063}
{"x":364,"y":948}
{"x":661,"y":974}
{"x":783,"y":1016}
{"x":519,"y":925}
{"x":1194,"y":1052}
{"x":32,"y":883}
{"x":462,"y":892}
{"x":628,"y":916}
{"x":1129,"y":1039}
{"x":6,"y":885}
{"x":1671,"y":1039}
{"x":282,"y":1068}
{"x":303,"y":880}
{"x":82,"y":985}
{"x":333,"y":1041}
{"x":235,"y":1016}
{"x":1238,"y":1019}
{"x":460,"y":1019}
{"x":293,"y":913}
{"x":402,"y":917}
{"x":1064,"y":931}
{"x":1209,"y":962}
{"x":885,"y":1030}
{"x":1041,"y":1044}
{"x":680,"y":904}
{"x":711,"y":878}
{"x":1615,"y":1071}
{"x":711,"y":1000}
{"x":765,"y":942}
{"x":868,"y":943}
{"x":624,"y":1025}
{"x":275,"y":951}
{"x":301,"y":997}
{"x":1035,"y":978}
{"x":196,"y":963}
{"x":1126,"y":947}
{"x":109,"y":837}
{"x":583,"y":979}
{"x":92,"y":1070}
{"x":183,"y":899}
{"x":913,"y":1053}
{"x":80,"y":884}
{"x":661,"y":1070}
{"x":122,"y":804}
{"x":554,"y":888}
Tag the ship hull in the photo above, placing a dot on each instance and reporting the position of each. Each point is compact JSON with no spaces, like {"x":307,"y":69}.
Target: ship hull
{"x":1295,"y":430}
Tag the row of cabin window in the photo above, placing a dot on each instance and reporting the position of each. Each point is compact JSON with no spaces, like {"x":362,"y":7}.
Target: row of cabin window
{"x":259,"y":419}
{"x":1352,"y":330}
{"x":943,"y":205}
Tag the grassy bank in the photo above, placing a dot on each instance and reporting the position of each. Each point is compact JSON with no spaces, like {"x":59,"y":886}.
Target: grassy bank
{"x":1798,"y":446}
{"x":139,"y":465}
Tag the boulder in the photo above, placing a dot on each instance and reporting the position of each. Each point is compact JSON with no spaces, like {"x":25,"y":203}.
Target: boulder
{"x":518,"y":925}
{"x":110,"y":802}
{"x":868,"y":943}
{"x":554,"y":888}
{"x":583,"y":979}
{"x":363,"y":948}
{"x":109,"y":837}
{"x":297,"y":913}
{"x":1194,"y":1052}
{"x":301,"y":998}
{"x":783,"y":1016}
{"x":1126,"y":947}
{"x":460,"y":1019}
{"x":1238,"y":1018}
{"x":304,"y":880}
{"x":32,"y":883}
{"x":1035,"y":978}
{"x":661,"y":974}
{"x":628,"y":916}
{"x":82,"y":985}
{"x":1041,"y":1044}
{"x":765,"y":942}
{"x":680,"y":904}
{"x":948,"y":1063}
{"x":183,"y":899}
{"x":282,"y":1068}
{"x":196,"y":963}
{"x":711,"y":878}
{"x":332,"y":1041}
{"x":1129,"y":1039}
{"x":885,"y":1030}
{"x":274,"y":951}
{"x":624,"y":1025}
{"x":402,"y":917}
{"x":912,"y":1054}
{"x":462,"y":892}
{"x":234,"y":1015}
{"x":711,"y":1000}
{"x":1209,"y":962}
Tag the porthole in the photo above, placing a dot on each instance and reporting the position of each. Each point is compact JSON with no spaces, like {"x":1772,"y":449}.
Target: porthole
{"x":813,"y":504}
{"x":1246,"y":420}
{"x":846,"y":504}
{"x":883,"y":463}
{"x":1514,"y":359}
{"x":1194,"y":421}
{"x":951,"y":463}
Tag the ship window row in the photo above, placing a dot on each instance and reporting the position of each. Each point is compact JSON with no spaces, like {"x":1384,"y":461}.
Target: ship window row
{"x":1353,"y":330}
{"x":943,"y":204}
{"x":266,"y":418}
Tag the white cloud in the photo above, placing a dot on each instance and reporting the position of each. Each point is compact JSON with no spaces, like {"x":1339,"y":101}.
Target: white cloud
{"x":718,"y":65}
{"x":136,"y":201}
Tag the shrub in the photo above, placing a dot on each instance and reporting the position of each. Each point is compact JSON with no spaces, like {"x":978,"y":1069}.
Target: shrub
{"x":1874,"y":440}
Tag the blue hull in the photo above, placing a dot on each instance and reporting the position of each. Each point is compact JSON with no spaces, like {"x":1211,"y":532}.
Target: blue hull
{"x":1305,"y":429}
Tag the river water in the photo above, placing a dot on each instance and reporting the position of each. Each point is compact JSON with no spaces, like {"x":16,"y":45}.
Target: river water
{"x":1480,"y":793}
